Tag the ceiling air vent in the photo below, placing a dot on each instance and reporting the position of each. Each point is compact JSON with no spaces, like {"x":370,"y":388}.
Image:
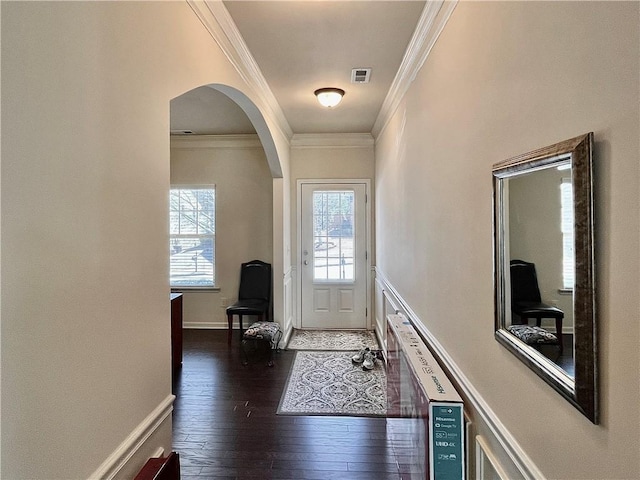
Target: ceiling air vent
{"x":360,"y":75}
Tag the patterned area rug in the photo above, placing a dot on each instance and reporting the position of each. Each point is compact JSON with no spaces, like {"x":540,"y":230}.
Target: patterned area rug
{"x":328,"y":383}
{"x":332,"y":340}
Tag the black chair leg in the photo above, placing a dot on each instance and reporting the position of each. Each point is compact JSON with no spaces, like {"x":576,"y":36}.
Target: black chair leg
{"x":559,"y":334}
{"x":270,"y":362}
{"x":256,"y":344}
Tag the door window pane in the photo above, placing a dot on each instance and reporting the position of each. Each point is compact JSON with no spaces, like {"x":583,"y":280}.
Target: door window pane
{"x":333,"y":235}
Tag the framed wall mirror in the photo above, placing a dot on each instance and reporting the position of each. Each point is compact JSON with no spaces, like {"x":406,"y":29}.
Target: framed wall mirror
{"x":544,"y":267}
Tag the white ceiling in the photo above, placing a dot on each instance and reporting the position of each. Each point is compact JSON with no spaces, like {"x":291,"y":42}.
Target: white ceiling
{"x":300,"y":46}
{"x":205,"y":111}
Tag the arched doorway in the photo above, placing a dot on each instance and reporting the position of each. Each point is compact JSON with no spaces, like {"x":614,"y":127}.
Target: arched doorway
{"x":221,"y":139}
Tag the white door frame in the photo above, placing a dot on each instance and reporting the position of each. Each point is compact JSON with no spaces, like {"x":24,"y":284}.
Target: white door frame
{"x":368,"y":233}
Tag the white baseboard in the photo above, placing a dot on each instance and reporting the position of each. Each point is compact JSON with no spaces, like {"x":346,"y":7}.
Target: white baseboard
{"x":286,"y":336}
{"x":205,"y":325}
{"x":380,"y":335}
{"x":134,"y":443}
{"x":511,"y":447}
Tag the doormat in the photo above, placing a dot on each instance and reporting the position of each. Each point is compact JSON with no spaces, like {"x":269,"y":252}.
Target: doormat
{"x":332,"y":340}
{"x":329,"y":383}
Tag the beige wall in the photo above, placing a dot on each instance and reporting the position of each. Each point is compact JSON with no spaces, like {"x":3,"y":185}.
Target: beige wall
{"x":244,"y":214}
{"x":85,"y":314}
{"x":503,"y":79}
{"x":328,"y":157}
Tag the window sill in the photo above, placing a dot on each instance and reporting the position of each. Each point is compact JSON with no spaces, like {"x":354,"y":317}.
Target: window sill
{"x":194,"y":289}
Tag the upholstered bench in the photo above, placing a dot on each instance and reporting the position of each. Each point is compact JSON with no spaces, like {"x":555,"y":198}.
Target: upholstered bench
{"x":533,"y":335}
{"x":268,"y":333}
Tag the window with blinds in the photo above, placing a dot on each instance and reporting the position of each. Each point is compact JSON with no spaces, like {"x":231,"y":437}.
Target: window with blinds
{"x":192,"y":236}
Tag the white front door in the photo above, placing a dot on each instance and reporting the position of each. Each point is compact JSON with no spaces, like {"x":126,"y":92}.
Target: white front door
{"x":333,"y":256}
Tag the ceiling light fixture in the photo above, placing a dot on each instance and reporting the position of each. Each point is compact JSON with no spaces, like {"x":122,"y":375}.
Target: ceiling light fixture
{"x":329,"y":97}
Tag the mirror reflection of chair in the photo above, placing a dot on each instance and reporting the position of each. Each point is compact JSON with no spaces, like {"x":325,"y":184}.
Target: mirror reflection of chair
{"x":526,"y":301}
{"x":254,"y":298}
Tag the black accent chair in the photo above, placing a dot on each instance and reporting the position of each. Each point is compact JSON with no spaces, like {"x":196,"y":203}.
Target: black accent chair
{"x":254,"y":296}
{"x":526,"y":302}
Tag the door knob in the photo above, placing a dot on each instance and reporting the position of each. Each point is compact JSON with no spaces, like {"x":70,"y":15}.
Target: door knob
{"x":306,"y":262}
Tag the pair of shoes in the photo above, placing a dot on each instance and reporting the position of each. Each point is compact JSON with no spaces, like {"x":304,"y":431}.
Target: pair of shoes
{"x":359,"y":357}
{"x":369,"y":360}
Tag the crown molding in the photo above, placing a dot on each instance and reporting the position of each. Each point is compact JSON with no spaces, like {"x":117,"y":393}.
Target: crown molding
{"x":431,"y":23}
{"x":218,"y":22}
{"x":332,"y":140}
{"x":216,"y":141}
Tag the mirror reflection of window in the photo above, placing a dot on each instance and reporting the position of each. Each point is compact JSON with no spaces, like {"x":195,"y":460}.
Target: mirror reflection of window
{"x":566,"y":208}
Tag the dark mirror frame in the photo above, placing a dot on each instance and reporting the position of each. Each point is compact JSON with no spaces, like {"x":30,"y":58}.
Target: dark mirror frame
{"x":582,"y":390}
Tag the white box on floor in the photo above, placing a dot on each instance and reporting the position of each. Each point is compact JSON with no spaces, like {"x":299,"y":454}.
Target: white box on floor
{"x":418,"y":386}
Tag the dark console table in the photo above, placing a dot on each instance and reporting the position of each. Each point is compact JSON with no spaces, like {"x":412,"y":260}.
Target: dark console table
{"x":176,"y":332}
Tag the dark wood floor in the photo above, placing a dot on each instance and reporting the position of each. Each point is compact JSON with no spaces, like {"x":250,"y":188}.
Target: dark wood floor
{"x":225,"y":425}
{"x":565,"y":359}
